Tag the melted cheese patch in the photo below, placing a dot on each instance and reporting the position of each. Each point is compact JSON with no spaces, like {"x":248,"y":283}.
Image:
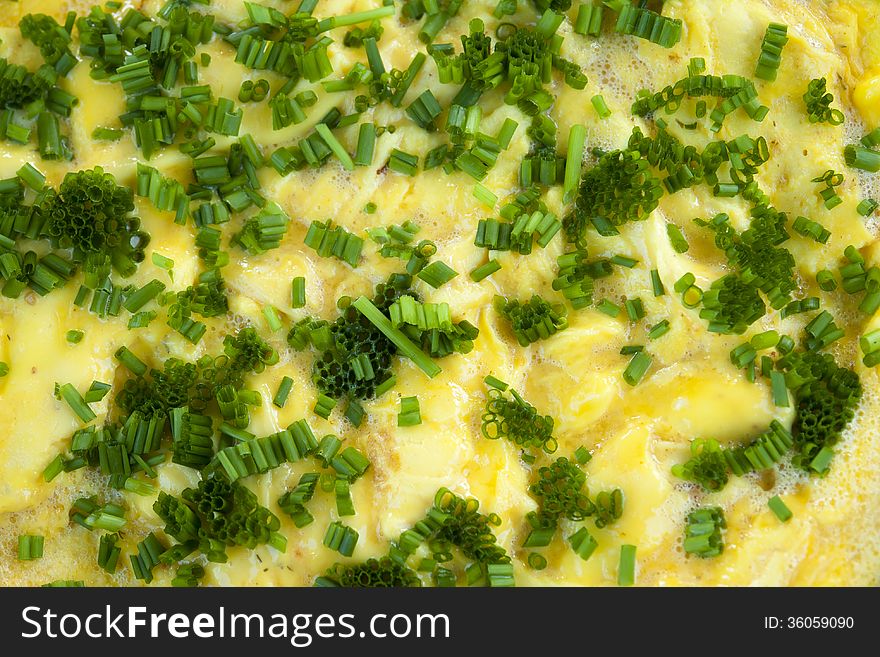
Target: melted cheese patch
{"x":635,"y":434}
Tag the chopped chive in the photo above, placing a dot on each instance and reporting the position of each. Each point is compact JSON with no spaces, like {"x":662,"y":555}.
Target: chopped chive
{"x":298,"y":292}
{"x":355,"y":413}
{"x":676,"y":238}
{"x":822,"y":460}
{"x":630,"y":349}
{"x":582,"y":455}
{"x":779,"y":508}
{"x":341,"y":538}
{"x":867,"y":207}
{"x":609,"y":308}
{"x":142,"y":319}
{"x":334,"y":145}
{"x":863,"y":158}
{"x":75,"y":336}
{"x":76,"y":402}
{"x":577,"y":137}
{"x":162,"y":262}
{"x":403,"y":162}
{"x":138,"y":299}
{"x":780,"y":392}
{"x":366,"y":145}
{"x":624,"y":261}
{"x":537,"y":561}
{"x":355,"y":18}
{"x":329,"y":240}
{"x":30,"y":547}
{"x":485,"y":196}
{"x":600,"y":106}
{"x":485,"y":270}
{"x":386,"y":385}
{"x":31,"y":176}
{"x":637,"y":368}
{"x":659,"y":329}
{"x":583,"y":543}
{"x":764,"y":340}
{"x":107,"y":134}
{"x":344,"y":503}
{"x":273,"y":320}
{"x":283,"y":391}
{"x":826,"y":280}
{"x":410,"y":412}
{"x":55,"y":468}
{"x":506,"y":133}
{"x":494,"y":382}
{"x":635,"y":310}
{"x":437,"y":274}
{"x":775,"y":38}
{"x":407,"y":348}
{"x":589,"y":19}
{"x":324,"y":406}
{"x":657,"y":284}
{"x":134,"y":364}
{"x":96,"y":392}
{"x":626,"y":570}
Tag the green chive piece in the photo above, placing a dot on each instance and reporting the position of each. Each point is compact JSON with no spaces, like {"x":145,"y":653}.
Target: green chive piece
{"x":822,"y":460}
{"x":341,"y":538}
{"x":30,"y":547}
{"x":107,"y":134}
{"x":273,"y":319}
{"x":780,"y":392}
{"x":134,"y":364}
{"x":324,"y":406}
{"x":677,"y":238}
{"x":779,"y":508}
{"x":55,"y":468}
{"x":485,"y":196}
{"x":609,"y":308}
{"x":659,"y":329}
{"x":283,"y":391}
{"x":626,"y":570}
{"x":76,"y":402}
{"x":577,"y":137}
{"x":867,"y":207}
{"x":75,"y":336}
{"x":410,"y":413}
{"x":163,"y":262}
{"x":298,"y":292}
{"x":31,"y":176}
{"x":366,"y":145}
{"x":624,"y":261}
{"x":139,"y":298}
{"x":355,"y":413}
{"x":637,"y":368}
{"x":334,"y":145}
{"x":859,"y":157}
{"x":406,"y":346}
{"x":600,"y":106}
{"x":583,"y":543}
{"x":657,"y":284}
{"x":437,"y":273}
{"x":485,"y":270}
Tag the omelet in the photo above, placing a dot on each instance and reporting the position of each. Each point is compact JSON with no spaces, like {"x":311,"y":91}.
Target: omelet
{"x":622,"y":435}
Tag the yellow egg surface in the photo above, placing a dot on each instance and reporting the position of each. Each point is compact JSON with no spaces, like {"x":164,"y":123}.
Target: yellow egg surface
{"x":634,"y":434}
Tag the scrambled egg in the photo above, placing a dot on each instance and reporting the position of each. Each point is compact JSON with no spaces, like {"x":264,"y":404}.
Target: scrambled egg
{"x":635,"y":433}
